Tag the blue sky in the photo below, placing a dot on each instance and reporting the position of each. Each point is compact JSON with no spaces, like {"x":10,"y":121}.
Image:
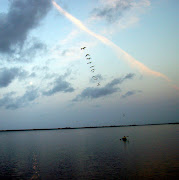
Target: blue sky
{"x":45,"y":81}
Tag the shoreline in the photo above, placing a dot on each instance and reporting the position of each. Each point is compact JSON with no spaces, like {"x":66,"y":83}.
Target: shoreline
{"x":87,"y":127}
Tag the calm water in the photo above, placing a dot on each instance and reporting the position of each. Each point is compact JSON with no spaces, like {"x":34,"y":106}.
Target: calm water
{"x":150,"y":153}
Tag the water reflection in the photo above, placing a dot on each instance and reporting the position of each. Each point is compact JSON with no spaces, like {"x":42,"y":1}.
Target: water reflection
{"x":125,"y":143}
{"x":35,"y":165}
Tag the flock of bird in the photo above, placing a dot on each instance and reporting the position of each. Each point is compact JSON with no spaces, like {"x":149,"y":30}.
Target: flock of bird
{"x":88,"y":58}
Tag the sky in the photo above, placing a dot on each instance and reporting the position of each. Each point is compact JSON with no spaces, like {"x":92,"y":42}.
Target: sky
{"x":46,"y":80}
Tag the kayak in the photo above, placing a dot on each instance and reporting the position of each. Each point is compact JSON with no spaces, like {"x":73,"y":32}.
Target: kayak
{"x":124,"y":139}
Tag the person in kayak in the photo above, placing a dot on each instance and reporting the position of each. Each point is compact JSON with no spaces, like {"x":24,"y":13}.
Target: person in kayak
{"x":124,"y":138}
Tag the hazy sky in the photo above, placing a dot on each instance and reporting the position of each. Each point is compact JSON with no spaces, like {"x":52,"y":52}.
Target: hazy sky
{"x":45,"y":81}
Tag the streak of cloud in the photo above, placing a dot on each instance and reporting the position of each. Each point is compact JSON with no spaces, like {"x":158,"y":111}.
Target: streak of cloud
{"x":120,"y":80}
{"x":112,"y":10}
{"x":29,"y":51}
{"x":8,"y":101}
{"x":108,"y":89}
{"x":60,"y":85}
{"x":133,"y":62}
{"x":93,"y":93}
{"x":130,"y":93}
{"x":8,"y":75}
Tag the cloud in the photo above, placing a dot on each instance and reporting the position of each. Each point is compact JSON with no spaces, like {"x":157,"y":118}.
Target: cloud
{"x":8,"y":75}
{"x":6,"y":99}
{"x":98,"y":76}
{"x":65,"y":52}
{"x":108,"y":89}
{"x":120,"y":80}
{"x":32,"y":75}
{"x":92,"y":93}
{"x":130,"y":93}
{"x":112,"y":10}
{"x":29,"y":51}
{"x":60,"y":85}
{"x":22,"y":17}
{"x":10,"y":102}
{"x":40,"y":68}
{"x":69,"y":38}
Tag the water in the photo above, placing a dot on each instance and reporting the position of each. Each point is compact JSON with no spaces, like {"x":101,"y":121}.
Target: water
{"x":150,"y":153}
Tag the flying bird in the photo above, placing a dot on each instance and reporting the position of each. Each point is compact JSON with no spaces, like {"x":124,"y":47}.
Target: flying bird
{"x":83,"y":48}
{"x":92,"y":70}
{"x":94,"y":77}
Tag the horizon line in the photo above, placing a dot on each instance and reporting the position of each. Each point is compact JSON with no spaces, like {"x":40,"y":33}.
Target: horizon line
{"x":38,"y":129}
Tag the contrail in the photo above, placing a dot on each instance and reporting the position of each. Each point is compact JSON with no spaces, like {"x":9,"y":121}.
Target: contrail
{"x":141,"y":67}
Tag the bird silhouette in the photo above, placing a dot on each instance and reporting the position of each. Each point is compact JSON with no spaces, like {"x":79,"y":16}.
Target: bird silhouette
{"x":94,"y":77}
{"x":83,"y":48}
